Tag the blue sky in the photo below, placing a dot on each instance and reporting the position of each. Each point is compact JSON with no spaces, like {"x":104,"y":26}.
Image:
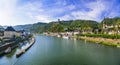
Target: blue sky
{"x":19,"y":12}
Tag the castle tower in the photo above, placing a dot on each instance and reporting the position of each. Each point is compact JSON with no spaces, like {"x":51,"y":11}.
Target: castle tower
{"x":58,"y":20}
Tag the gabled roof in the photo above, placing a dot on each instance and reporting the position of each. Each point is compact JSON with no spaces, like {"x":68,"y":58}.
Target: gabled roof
{"x":9,"y":29}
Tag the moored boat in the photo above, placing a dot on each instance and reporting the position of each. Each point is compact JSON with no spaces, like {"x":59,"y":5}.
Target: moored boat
{"x":66,"y":37}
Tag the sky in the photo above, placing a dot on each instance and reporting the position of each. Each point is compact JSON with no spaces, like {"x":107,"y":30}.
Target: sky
{"x":19,"y":12}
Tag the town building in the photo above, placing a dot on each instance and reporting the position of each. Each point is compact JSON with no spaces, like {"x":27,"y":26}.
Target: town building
{"x":9,"y":32}
{"x":111,"y":29}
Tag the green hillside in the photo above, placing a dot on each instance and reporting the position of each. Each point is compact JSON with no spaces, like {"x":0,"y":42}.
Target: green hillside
{"x":69,"y":25}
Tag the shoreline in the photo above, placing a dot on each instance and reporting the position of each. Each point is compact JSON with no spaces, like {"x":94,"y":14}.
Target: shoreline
{"x":104,"y":41}
{"x":99,"y":40}
{"x":22,"y":51}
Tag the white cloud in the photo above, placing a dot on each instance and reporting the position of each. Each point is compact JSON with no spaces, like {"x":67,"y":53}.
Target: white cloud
{"x":96,"y":10}
{"x":31,"y":12}
{"x":62,"y":3}
{"x":114,"y":12}
{"x":7,"y":8}
{"x":42,"y":18}
{"x":71,"y":7}
{"x":66,"y":17}
{"x":45,"y":14}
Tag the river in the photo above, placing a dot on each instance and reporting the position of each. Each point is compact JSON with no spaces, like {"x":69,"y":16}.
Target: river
{"x":58,"y":51}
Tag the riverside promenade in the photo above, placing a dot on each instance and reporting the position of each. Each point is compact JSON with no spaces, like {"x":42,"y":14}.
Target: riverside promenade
{"x":32,"y":41}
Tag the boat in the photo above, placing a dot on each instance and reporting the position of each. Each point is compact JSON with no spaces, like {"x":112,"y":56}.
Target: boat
{"x":58,"y":36}
{"x":66,"y":37}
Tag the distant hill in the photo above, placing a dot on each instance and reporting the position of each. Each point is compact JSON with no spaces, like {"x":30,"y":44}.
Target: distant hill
{"x":84,"y":24}
{"x":69,"y":25}
{"x":1,"y":28}
{"x":111,"y":21}
{"x":23,"y":27}
{"x":38,"y":27}
{"x":29,"y":27}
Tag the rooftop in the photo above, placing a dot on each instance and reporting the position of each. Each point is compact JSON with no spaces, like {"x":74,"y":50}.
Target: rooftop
{"x":9,"y":29}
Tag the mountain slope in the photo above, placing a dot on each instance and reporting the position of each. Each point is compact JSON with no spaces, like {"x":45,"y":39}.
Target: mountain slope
{"x":29,"y":27}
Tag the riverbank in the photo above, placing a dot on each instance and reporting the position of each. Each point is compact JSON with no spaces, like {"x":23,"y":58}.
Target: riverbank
{"x":58,"y":51}
{"x":7,"y":47}
{"x":109,"y":40}
{"x":32,"y":41}
{"x":105,"y":41}
{"x":11,"y":46}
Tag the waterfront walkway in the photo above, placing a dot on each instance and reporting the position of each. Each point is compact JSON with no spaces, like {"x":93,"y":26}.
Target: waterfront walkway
{"x":32,"y":41}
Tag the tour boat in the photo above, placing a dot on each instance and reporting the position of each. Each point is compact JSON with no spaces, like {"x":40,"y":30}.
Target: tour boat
{"x":66,"y":37}
{"x":58,"y":36}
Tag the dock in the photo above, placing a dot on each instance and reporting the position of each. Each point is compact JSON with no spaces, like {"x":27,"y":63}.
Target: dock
{"x":32,"y":41}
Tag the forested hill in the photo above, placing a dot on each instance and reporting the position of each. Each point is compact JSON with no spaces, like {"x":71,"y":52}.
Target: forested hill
{"x":111,"y":21}
{"x":73,"y":25}
{"x":23,"y":27}
{"x":61,"y":26}
{"x":29,"y":27}
{"x":70,"y":25}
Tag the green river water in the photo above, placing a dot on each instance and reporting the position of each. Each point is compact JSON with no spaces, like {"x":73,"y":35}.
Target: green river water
{"x":58,"y":51}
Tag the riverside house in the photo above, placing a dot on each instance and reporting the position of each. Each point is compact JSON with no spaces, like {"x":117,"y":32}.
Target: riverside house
{"x":8,"y":35}
{"x":1,"y":32}
{"x":111,"y":29}
{"x":10,"y":32}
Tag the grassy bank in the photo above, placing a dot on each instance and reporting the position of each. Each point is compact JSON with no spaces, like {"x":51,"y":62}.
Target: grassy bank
{"x":109,"y":40}
{"x":112,"y":36}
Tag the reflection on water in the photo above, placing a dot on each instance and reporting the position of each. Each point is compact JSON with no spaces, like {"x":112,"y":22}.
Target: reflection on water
{"x":21,"y":46}
{"x":11,"y":54}
{"x":58,"y":51}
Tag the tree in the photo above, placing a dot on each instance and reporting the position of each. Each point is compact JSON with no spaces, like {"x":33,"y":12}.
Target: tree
{"x":56,"y":28}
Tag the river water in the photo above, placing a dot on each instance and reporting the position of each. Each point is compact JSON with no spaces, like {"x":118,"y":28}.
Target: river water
{"x":58,"y":51}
